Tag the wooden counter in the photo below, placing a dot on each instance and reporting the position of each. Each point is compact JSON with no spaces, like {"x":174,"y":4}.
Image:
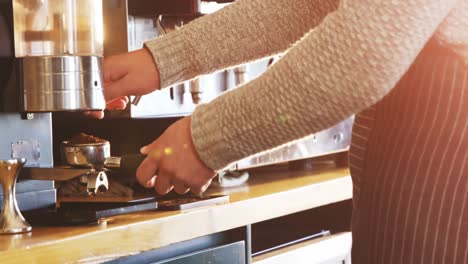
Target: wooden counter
{"x":269,"y":194}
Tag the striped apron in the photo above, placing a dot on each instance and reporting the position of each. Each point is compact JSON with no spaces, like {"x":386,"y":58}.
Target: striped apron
{"x":409,"y":166}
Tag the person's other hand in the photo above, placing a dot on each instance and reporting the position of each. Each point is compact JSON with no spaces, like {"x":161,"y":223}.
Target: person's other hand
{"x":133,"y":73}
{"x":173,"y":163}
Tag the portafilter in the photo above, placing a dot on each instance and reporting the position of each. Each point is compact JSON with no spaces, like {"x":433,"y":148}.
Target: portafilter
{"x":97,"y":156}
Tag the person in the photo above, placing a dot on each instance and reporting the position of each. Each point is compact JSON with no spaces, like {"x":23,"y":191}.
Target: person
{"x":401,"y":66}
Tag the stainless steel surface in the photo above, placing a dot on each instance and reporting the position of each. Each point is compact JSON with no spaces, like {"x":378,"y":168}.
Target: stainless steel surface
{"x":169,"y":22}
{"x":27,"y":138}
{"x":58,"y":27}
{"x":11,"y":220}
{"x":62,"y":83}
{"x":55,"y":174}
{"x":136,"y":100}
{"x":240,"y":74}
{"x":96,"y":156}
{"x":28,"y":149}
{"x":196,"y":91}
{"x":96,"y":182}
{"x":117,"y":27}
{"x":332,"y":140}
{"x":113,"y":162}
{"x":85,"y":155}
{"x":196,"y":4}
{"x":140,"y":29}
{"x":228,"y":179}
{"x":91,"y":155}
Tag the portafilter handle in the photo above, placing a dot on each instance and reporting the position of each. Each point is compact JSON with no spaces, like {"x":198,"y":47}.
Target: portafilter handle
{"x":11,"y":219}
{"x":126,"y":165}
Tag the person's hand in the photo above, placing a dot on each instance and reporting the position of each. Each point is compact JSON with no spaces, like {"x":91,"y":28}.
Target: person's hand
{"x":133,"y":73}
{"x":116,"y":104}
{"x":173,"y":163}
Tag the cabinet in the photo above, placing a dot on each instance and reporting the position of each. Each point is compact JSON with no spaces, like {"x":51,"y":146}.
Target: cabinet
{"x":232,"y":253}
{"x":232,"y":246}
{"x":335,"y":249}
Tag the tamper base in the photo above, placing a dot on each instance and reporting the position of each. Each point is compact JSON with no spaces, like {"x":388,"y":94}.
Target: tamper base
{"x":11,"y":219}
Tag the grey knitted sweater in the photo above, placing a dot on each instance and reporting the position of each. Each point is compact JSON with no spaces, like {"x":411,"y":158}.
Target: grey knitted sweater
{"x":341,"y":57}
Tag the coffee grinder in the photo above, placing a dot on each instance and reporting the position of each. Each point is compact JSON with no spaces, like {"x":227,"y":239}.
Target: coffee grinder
{"x":50,"y":61}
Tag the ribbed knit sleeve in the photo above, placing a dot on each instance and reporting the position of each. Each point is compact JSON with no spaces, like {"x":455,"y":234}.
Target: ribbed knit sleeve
{"x":243,"y":31}
{"x":350,"y":61}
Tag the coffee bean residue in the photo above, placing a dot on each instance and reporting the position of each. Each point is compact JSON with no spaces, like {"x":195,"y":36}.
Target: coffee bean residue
{"x":83,"y":138}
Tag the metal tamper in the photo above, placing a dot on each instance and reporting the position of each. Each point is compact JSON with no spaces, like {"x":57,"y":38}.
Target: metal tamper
{"x":11,"y":220}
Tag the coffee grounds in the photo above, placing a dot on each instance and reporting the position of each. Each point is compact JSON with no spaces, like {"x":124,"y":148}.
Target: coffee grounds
{"x":83,"y":138}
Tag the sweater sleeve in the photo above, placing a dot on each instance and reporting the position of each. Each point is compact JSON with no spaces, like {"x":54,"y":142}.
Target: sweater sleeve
{"x":349,"y":62}
{"x":243,"y":31}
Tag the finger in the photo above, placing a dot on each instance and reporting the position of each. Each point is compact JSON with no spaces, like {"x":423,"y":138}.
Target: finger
{"x":145,"y":150}
{"x":150,"y":183}
{"x":157,"y":148}
{"x":95,"y":114}
{"x":163,"y":184}
{"x":125,"y":99}
{"x":179,"y":187}
{"x":117,"y":104}
{"x":151,"y":150}
{"x":198,"y":190}
{"x":146,"y":171}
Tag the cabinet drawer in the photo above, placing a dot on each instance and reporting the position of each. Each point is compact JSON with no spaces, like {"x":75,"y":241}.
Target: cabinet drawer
{"x":232,"y":253}
{"x":335,"y":249}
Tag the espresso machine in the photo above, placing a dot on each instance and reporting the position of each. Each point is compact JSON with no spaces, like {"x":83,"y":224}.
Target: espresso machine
{"x":50,"y":61}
